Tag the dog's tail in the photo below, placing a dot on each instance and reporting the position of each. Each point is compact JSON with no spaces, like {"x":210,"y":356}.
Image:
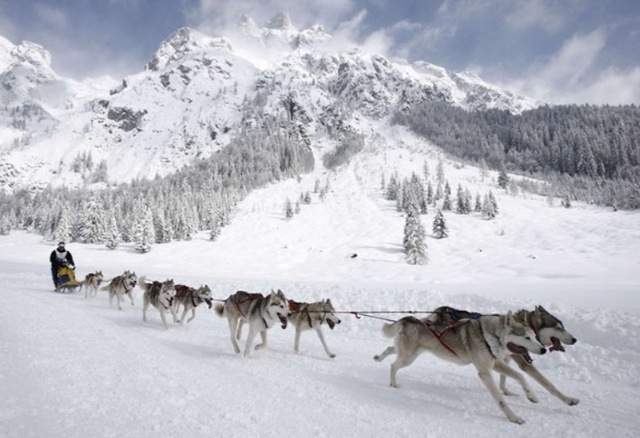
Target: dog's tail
{"x":142,"y":281}
{"x":391,"y":329}
{"x":105,"y":287}
{"x":219,"y":308}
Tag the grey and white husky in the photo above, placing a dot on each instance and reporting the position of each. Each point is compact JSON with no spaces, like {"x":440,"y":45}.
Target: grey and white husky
{"x":190,"y":298}
{"x":260,"y":312}
{"x":551,"y":333}
{"x":160,"y":295}
{"x":482,"y":342}
{"x":91,"y":284}
{"x":307,"y":316}
{"x":120,"y":286}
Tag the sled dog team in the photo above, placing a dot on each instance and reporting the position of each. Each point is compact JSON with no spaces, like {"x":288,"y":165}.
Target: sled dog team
{"x":488,"y":342}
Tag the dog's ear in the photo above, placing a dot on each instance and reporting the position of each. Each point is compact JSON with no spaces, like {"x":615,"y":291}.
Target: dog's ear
{"x":541,"y":309}
{"x":509,"y":319}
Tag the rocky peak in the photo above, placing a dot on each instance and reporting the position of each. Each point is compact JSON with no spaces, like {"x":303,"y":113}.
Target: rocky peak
{"x":281,"y":21}
{"x":181,"y":42}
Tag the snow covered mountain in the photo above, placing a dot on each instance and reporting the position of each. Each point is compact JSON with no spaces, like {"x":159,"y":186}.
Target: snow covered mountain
{"x":196,"y":92}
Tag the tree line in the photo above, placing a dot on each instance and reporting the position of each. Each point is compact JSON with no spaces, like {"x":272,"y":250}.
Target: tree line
{"x":590,"y":153}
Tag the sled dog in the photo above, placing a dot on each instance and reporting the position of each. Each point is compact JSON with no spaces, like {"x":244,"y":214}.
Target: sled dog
{"x":120,"y":286}
{"x":549,"y":330}
{"x":189,"y":298}
{"x":91,"y":284}
{"x":482,"y":342}
{"x":551,"y":333}
{"x":160,"y":295}
{"x":306,"y":316}
{"x":260,"y":312}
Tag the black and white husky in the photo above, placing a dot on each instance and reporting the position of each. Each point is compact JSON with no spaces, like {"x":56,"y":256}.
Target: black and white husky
{"x":190,"y":298}
{"x":260,"y":312}
{"x":160,"y":295}
{"x":91,"y":284}
{"x":120,"y":286}
{"x":307,"y":316}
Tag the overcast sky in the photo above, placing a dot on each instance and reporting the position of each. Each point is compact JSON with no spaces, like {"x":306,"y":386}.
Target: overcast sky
{"x":559,"y":51}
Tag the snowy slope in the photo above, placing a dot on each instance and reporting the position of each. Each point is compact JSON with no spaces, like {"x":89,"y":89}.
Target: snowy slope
{"x":198,"y":90}
{"x":73,"y":367}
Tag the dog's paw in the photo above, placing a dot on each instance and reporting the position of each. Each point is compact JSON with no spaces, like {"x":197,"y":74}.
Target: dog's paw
{"x":515,"y":419}
{"x":377,"y":358}
{"x":571,"y":401}
{"x":332,"y":355}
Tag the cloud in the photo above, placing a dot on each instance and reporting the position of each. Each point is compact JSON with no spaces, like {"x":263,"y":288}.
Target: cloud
{"x":570,"y":76}
{"x":50,"y":15}
{"x":528,"y":14}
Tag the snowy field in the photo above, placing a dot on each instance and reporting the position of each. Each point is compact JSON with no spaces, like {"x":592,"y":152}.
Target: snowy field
{"x":72,"y":367}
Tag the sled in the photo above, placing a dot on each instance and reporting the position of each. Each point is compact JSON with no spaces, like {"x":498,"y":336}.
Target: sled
{"x":66,"y":279}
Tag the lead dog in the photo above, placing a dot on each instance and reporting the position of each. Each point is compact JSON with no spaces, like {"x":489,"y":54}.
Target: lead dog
{"x":120,"y":286}
{"x":160,"y":295}
{"x":482,"y":342}
{"x":549,"y":330}
{"x":260,"y":312}
{"x":91,"y":284}
{"x":306,"y":316}
{"x":189,"y":298}
{"x":551,"y":333}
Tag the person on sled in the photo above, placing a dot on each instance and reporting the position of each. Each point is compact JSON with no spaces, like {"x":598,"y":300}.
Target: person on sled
{"x":60,"y":257}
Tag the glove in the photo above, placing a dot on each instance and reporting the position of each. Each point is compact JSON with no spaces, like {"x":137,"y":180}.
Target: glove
{"x":72,"y":267}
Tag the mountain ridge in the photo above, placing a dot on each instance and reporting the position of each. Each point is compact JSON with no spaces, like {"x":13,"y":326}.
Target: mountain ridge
{"x":197,"y":91}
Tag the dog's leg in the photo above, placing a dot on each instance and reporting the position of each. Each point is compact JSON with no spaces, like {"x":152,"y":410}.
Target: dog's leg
{"x":164,"y":318}
{"x":487,"y":379}
{"x":389,"y":351}
{"x":401,"y":361}
{"x":503,"y":381}
{"x":184,"y":314}
{"x":296,"y":340}
{"x":324,"y":343}
{"x":193,"y":314}
{"x":506,"y":370}
{"x":145,"y":306}
{"x":173,"y":313}
{"x":542,"y":380}
{"x":263,"y":344}
{"x":233,"y":326}
{"x":239,"y":329}
{"x":252,"y":334}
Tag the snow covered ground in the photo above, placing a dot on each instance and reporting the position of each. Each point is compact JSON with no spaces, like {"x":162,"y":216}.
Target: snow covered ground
{"x":71,"y":367}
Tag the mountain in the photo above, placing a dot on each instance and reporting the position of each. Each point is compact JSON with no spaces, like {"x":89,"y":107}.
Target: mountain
{"x":196,"y":92}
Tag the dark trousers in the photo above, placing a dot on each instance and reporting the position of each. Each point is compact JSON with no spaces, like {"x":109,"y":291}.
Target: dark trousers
{"x":54,"y":275}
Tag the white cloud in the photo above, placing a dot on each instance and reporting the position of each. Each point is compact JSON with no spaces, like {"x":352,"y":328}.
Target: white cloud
{"x":50,"y":15}
{"x":568,"y":77}
{"x":528,"y":14}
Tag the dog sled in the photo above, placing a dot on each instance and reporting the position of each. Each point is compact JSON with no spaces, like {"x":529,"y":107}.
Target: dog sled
{"x":66,"y":279}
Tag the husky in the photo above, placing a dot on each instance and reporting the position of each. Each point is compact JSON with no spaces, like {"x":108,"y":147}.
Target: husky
{"x":91,"y":284}
{"x":306,"y":316}
{"x":549,"y":330}
{"x":120,"y":286}
{"x":482,"y":342}
{"x":189,"y":298}
{"x":260,"y":312}
{"x":160,"y":295}
{"x":551,"y":333}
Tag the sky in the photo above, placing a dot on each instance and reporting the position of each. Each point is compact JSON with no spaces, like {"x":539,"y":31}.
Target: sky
{"x":557,"y":51}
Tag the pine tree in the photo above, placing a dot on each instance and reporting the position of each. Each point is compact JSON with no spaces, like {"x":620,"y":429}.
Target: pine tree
{"x":446,"y":202}
{"x":440,"y":229}
{"x":92,"y":227}
{"x":144,"y":234}
{"x":111,"y":234}
{"x":288,"y":209}
{"x":488,"y":210}
{"x":414,"y":242}
{"x":216,"y":225}
{"x":478,"y":206}
{"x":503,"y":179}
{"x":62,"y":232}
